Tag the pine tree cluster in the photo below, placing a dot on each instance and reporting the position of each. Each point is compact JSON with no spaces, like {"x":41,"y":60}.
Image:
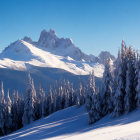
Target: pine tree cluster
{"x":23,"y":110}
{"x":120,"y":92}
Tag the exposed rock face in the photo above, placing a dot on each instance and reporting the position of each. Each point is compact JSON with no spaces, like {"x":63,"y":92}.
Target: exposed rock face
{"x":104,"y":55}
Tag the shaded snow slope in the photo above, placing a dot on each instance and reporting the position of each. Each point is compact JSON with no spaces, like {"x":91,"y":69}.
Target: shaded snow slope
{"x":72,"y":124}
{"x":17,"y":80}
{"x":21,"y":54}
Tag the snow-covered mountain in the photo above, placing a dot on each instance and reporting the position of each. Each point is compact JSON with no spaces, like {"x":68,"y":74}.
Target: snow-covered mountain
{"x":72,"y":124}
{"x":50,"y":51}
{"x":21,"y":55}
{"x":104,"y":55}
{"x":60,"y":46}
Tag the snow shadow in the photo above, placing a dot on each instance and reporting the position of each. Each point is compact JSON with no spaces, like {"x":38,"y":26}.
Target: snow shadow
{"x":72,"y":120}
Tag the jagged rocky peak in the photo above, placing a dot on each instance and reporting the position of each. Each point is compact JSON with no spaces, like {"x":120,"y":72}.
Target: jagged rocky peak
{"x":50,"y":40}
{"x":44,"y":35}
{"x":47,"y":39}
{"x":27,"y":39}
{"x":104,"y":55}
{"x":64,"y":43}
{"x":52,"y":32}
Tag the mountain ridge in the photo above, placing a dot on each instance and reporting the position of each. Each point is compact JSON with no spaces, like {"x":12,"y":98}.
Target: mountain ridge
{"x":55,"y":40}
{"x":51,"y":51}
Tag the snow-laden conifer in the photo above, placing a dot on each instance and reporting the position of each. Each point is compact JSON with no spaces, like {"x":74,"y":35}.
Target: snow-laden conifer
{"x":29,"y":104}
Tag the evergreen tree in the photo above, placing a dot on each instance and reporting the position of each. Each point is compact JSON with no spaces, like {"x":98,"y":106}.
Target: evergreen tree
{"x":138,"y":86}
{"x":115,"y":80}
{"x":79,"y":96}
{"x":95,"y":112}
{"x":20,"y":109}
{"x":92,"y":89}
{"x":42,"y":104}
{"x":55,"y":96}
{"x":136,"y":67}
{"x":67,"y":92}
{"x":71,"y":92}
{"x":2,"y":100}
{"x":62,"y":97}
{"x":14,"y":111}
{"x":88,"y":106}
{"x":81,"y":91}
{"x":121,"y":81}
{"x":92,"y":83}
{"x":39,"y":102}
{"x":2,"y":112}
{"x":98,"y":104}
{"x":45,"y":111}
{"x":73,"y":95}
{"x":129,"y":99}
{"x":50,"y":100}
{"x":107,"y":90}
{"x":30,"y":101}
{"x":58,"y":100}
{"x":92,"y":102}
{"x":8,"y":114}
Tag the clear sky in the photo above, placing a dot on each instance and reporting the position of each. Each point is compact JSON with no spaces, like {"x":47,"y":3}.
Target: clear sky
{"x":93,"y":25}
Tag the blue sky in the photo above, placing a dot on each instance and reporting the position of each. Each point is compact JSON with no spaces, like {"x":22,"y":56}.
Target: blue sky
{"x":93,"y":25}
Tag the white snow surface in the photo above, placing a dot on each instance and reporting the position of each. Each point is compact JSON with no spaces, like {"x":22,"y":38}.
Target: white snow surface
{"x":72,"y":124}
{"x":20,"y":55}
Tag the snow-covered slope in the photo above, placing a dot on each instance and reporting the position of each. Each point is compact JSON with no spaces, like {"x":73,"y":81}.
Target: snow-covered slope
{"x":72,"y":124}
{"x":61,"y":46}
{"x":53,"y":52}
{"x":21,"y":55}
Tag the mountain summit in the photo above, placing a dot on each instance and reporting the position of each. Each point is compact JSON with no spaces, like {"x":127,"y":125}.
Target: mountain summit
{"x":59,"y":46}
{"x":47,"y":39}
{"x":51,"y":51}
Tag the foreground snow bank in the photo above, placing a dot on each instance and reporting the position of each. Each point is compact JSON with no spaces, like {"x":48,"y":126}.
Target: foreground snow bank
{"x":72,"y":124}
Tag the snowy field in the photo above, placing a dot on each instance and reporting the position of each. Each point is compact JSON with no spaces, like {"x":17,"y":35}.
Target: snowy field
{"x":72,"y":124}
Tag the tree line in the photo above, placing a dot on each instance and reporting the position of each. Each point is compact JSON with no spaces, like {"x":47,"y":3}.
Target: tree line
{"x":120,"y":92}
{"x":19,"y":110}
